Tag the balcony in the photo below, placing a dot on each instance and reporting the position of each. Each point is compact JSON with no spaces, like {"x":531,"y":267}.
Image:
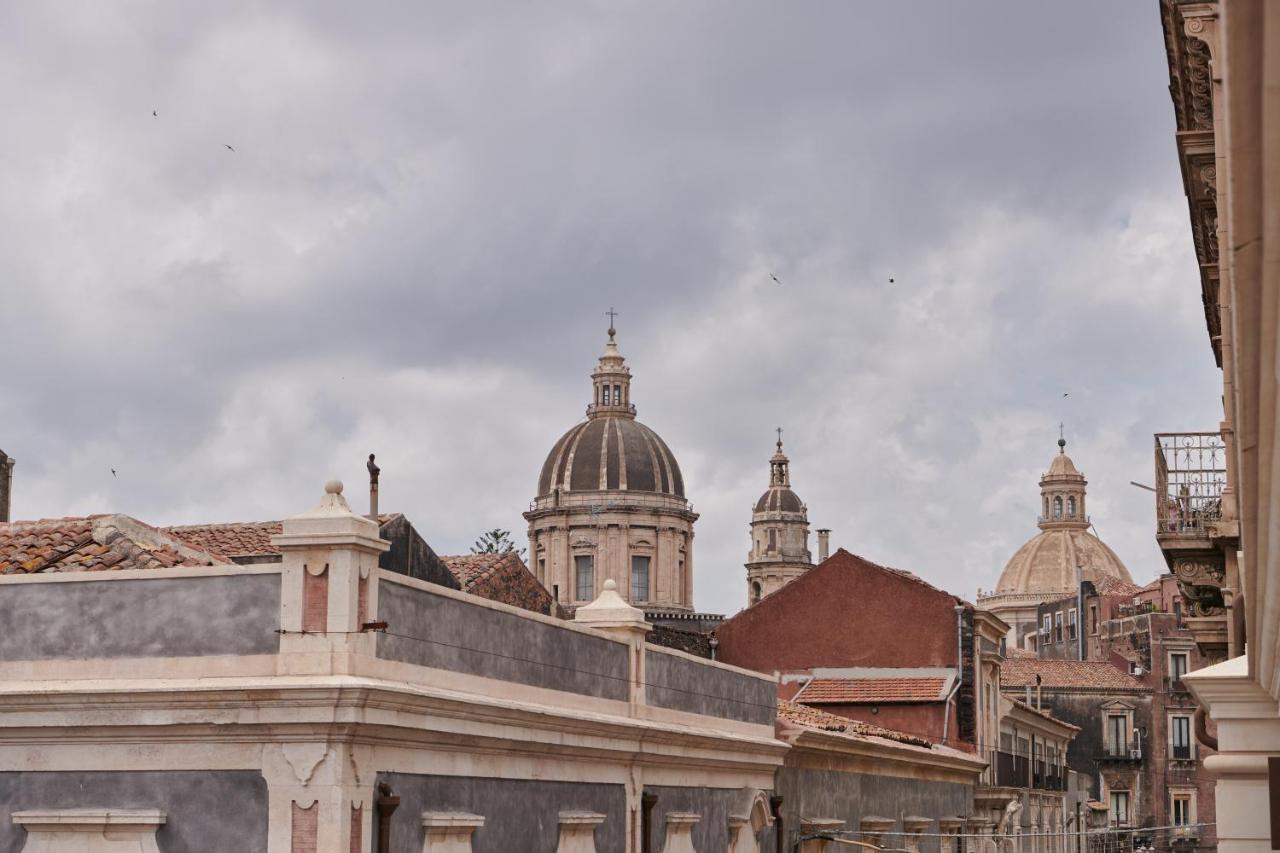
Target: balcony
{"x":1196,"y":526}
{"x":1007,"y":770}
{"x":1181,"y":752}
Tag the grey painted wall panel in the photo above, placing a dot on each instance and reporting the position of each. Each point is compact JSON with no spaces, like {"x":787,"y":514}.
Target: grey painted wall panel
{"x":852,"y":796}
{"x":456,"y":635}
{"x":520,"y":816}
{"x":164,"y":617}
{"x":685,"y":685}
{"x":711,"y":832}
{"x":223,"y":811}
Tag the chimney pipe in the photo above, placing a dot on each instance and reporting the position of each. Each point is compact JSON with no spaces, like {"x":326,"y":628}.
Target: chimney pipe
{"x":374,"y":470}
{"x":824,"y":544}
{"x":6,"y":485}
{"x":1039,"y":705}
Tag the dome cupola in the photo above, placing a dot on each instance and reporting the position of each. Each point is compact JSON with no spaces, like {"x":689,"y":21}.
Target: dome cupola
{"x":779,"y":532}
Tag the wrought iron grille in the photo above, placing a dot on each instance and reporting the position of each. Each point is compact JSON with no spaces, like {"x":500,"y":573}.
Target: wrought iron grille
{"x":1191,"y":472}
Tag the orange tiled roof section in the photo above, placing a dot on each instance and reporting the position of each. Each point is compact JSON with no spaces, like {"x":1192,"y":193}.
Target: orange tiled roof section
{"x":1098,"y":675}
{"x":812,"y":718}
{"x":93,"y":543}
{"x":236,"y":538}
{"x":471,"y":569}
{"x":501,"y":577}
{"x":857,"y":691}
{"x":1041,"y":712}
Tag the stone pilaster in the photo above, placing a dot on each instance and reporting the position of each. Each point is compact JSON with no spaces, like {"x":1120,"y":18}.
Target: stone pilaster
{"x":449,"y":832}
{"x":578,"y":831}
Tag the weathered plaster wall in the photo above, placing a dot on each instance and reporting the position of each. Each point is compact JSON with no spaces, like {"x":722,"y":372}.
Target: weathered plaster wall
{"x":686,"y":685}
{"x":713,"y":804}
{"x":814,"y":793}
{"x":519,"y":815}
{"x":443,"y":632}
{"x":224,"y":811}
{"x":167,"y":617}
{"x":1138,"y":777}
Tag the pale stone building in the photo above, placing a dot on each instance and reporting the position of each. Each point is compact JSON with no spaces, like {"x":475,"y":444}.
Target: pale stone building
{"x":779,"y":533}
{"x":611,"y":505}
{"x":1045,"y":568}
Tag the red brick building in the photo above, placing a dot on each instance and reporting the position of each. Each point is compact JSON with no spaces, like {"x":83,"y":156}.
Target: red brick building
{"x":869,"y":643}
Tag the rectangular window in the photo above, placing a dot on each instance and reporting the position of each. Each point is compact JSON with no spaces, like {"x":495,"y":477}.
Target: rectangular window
{"x":1046,"y":626}
{"x":1093,"y":618}
{"x":1180,"y":736}
{"x":1177,"y":665}
{"x":585,"y":575}
{"x":1071,"y":623}
{"x":1119,"y":811}
{"x":639,"y":579}
{"x":1181,"y":808}
{"x":1117,"y":735}
{"x":542,"y":571}
{"x":1057,"y":627}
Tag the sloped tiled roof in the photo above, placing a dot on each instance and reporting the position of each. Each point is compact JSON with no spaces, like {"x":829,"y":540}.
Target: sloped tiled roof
{"x":802,"y":715}
{"x":1109,"y":585}
{"x":501,"y":577}
{"x":237,"y":538}
{"x":1098,"y":675}
{"x":93,"y":543}
{"x":857,"y":691}
{"x":234,"y":539}
{"x":1041,"y":712}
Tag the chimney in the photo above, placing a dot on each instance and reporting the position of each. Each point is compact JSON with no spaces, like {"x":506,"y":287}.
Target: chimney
{"x":6,"y":485}
{"x":1039,"y":705}
{"x":374,"y":470}
{"x":824,"y":544}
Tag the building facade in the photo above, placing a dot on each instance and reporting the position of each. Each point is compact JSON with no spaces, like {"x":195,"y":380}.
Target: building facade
{"x":1049,"y":565}
{"x":610,"y":505}
{"x":779,"y":533}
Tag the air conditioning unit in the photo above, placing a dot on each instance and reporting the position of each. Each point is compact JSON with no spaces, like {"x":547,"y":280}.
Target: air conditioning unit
{"x":1135,"y":754}
{"x":1136,"y":669}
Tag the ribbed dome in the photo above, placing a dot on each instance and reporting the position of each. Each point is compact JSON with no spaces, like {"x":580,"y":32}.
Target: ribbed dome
{"x":1047,"y":562}
{"x":611,"y":452}
{"x":779,"y":500}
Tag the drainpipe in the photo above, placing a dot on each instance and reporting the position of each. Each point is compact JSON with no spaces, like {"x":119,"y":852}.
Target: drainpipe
{"x":1202,"y":731}
{"x":1080,"y":612}
{"x":955,"y":688}
{"x":386,"y":803}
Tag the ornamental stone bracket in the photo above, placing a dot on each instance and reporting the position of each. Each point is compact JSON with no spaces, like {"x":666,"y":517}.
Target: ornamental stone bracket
{"x":913,"y":828}
{"x":1200,"y":581}
{"x":950,"y":829}
{"x":578,"y":831}
{"x":874,"y":829}
{"x":449,"y":832}
{"x":90,"y":830}
{"x":823,"y":827}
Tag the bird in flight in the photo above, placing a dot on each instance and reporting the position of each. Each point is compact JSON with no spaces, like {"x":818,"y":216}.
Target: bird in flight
{"x":229,"y":148}
{"x":774,"y":277}
{"x":154,"y":113}
{"x":1066,"y":395}
{"x":113,"y":472}
{"x":891,"y":281}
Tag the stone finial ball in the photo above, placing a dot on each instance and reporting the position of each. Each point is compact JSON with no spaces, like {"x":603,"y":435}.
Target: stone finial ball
{"x":333,"y":487}
{"x":610,"y":586}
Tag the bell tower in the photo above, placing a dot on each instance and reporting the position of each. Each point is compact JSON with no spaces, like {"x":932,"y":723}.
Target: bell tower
{"x":779,"y":533}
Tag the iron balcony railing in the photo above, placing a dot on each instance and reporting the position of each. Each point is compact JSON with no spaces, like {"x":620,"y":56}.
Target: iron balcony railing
{"x":1121,"y":751}
{"x":1007,"y":770}
{"x":1191,"y":473}
{"x":1180,"y":752}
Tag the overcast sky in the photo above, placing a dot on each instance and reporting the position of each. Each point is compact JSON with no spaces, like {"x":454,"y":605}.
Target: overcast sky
{"x":429,"y":208}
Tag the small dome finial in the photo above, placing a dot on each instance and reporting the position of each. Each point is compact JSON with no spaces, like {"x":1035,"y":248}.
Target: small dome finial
{"x":611,"y":314}
{"x":779,"y":439}
{"x":333,"y":487}
{"x":1062,"y":441}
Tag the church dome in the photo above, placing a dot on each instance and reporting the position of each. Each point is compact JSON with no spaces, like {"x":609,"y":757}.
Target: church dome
{"x":611,"y":452}
{"x":779,"y":500}
{"x":1047,"y":562}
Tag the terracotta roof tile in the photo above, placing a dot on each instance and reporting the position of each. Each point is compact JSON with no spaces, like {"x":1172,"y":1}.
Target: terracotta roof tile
{"x":470,"y":569}
{"x":236,"y":538}
{"x":812,"y":718}
{"x":857,"y":691}
{"x":93,"y":543}
{"x":502,"y":577}
{"x":1021,"y":672}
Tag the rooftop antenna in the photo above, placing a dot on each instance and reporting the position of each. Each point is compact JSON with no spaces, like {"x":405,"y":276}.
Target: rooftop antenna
{"x":374,"y":471}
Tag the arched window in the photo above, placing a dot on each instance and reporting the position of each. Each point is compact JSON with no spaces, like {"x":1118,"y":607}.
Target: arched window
{"x":755,"y":591}
{"x":1071,"y":506}
{"x":1057,"y":507}
{"x":1046,"y":506}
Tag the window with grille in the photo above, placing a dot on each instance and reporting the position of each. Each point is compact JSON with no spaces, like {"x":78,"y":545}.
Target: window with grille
{"x":1119,"y":810}
{"x":1180,"y":736}
{"x":639,"y":578}
{"x":1117,"y":734}
{"x":1182,"y":808}
{"x":1071,"y":623}
{"x":585,"y":575}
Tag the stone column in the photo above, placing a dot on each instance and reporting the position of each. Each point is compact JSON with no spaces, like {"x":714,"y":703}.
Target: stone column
{"x":950,"y":827}
{"x":873,"y":829}
{"x":979,"y":832}
{"x":449,"y":832}
{"x":742,"y":837}
{"x":814,"y":825}
{"x":612,"y":616}
{"x":578,"y":831}
{"x":913,"y":828}
{"x":679,"y":833}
